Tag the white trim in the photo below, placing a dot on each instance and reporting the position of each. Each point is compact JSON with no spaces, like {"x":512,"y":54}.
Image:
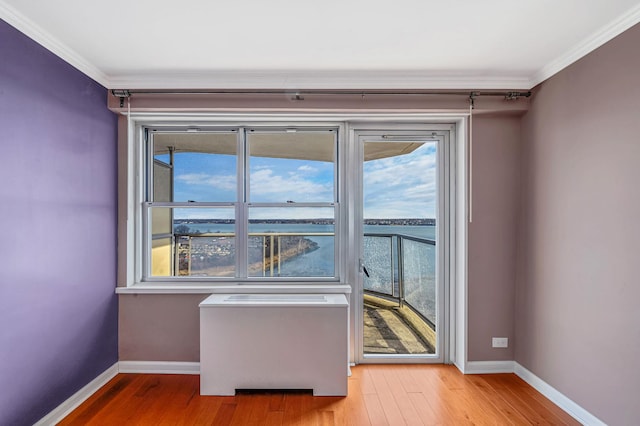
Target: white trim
{"x":459,"y":243}
{"x":271,"y":117}
{"x":489,"y":367}
{"x":444,"y":134}
{"x":159,"y":367}
{"x":74,"y":401}
{"x":548,"y":391}
{"x":591,"y":43}
{"x":173,"y":288}
{"x":52,"y":44}
{"x":573,"y":409}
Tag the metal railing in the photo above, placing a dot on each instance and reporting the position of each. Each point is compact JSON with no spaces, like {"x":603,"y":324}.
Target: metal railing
{"x":274,"y":252}
{"x":409,"y":278}
{"x":400,"y":267}
{"x":183,"y":252}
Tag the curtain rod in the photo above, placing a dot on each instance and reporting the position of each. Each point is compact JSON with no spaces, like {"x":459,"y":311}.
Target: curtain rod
{"x":298,"y":95}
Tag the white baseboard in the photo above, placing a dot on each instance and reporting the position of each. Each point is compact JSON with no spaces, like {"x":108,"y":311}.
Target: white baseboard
{"x":555,"y":396}
{"x":558,"y":398}
{"x":459,"y":366}
{"x":159,"y":367}
{"x":63,"y":410}
{"x":489,"y":367}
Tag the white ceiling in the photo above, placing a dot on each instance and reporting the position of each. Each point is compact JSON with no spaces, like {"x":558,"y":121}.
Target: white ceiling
{"x":321,"y":44}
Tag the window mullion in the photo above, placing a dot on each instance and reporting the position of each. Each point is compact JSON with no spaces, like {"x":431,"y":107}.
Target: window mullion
{"x":242,"y":238}
{"x":147,"y":241}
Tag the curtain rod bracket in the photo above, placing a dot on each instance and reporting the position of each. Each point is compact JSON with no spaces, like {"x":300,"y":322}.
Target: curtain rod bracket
{"x":514,"y":96}
{"x":122,"y":94}
{"x":472,"y":99}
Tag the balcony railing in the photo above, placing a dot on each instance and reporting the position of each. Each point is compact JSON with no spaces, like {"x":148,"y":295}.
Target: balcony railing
{"x":399,"y":267}
{"x":402,"y":268}
{"x":268,"y":251}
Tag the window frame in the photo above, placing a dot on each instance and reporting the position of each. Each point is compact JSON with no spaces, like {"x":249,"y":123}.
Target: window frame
{"x":241,"y":206}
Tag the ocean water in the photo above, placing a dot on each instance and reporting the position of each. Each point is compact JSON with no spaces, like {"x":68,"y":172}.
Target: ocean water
{"x":418,"y":267}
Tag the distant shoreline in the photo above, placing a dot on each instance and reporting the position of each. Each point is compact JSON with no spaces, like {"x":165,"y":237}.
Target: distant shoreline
{"x":387,"y":222}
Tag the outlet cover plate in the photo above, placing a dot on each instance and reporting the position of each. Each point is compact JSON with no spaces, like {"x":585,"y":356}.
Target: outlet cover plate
{"x":500,"y":342}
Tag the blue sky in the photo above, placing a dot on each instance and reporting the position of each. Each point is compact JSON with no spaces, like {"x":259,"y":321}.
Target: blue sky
{"x":204,"y":177}
{"x":402,"y":186}
{"x":281,"y":180}
{"x":394,"y":187}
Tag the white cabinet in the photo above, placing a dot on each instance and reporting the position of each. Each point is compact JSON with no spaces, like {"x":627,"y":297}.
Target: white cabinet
{"x":274,"y":341}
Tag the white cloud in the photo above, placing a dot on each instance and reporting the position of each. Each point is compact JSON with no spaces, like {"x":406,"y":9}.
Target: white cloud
{"x":422,"y":191}
{"x":307,"y":169}
{"x":401,"y":187}
{"x":199,"y":213}
{"x":290,"y":213}
{"x":266,"y":185}
{"x":223,"y":182}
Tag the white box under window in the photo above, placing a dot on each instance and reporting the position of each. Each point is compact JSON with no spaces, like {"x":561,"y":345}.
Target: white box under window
{"x":274,"y":341}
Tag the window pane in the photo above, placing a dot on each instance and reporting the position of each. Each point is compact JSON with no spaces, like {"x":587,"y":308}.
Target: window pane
{"x":378,"y":259}
{"x":419,"y":274}
{"x":193,"y":242}
{"x":399,"y":208}
{"x":291,"y":167}
{"x":198,"y":167}
{"x":291,"y":242}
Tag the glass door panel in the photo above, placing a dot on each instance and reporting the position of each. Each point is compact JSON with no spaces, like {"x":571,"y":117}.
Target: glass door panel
{"x":399,"y":246}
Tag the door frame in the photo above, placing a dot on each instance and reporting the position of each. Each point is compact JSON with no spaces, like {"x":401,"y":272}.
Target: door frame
{"x":443,"y":133}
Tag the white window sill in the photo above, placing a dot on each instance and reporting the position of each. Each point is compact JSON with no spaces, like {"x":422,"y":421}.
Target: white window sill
{"x":172,"y":288}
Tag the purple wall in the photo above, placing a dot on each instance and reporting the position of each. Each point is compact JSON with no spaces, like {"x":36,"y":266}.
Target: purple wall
{"x":578,"y":287}
{"x":58,"y":310}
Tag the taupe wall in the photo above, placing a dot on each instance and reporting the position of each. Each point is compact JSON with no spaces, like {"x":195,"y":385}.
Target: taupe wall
{"x":578,"y":287}
{"x":160,"y":327}
{"x":492,"y":236}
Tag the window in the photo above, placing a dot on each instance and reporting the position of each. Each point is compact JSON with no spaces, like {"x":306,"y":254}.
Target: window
{"x":242,"y":204}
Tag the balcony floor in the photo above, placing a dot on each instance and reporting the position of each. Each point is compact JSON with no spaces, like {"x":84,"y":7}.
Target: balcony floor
{"x":387,"y":332}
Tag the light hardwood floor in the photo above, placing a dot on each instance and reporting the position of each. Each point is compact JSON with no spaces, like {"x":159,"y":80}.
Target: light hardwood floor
{"x":378,"y":395}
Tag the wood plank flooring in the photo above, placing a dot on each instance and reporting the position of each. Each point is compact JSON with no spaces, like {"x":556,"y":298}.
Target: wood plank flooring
{"x":378,"y":395}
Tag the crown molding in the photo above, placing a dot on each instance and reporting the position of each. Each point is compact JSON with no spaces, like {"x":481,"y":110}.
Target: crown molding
{"x":318,"y":80}
{"x":588,"y":45}
{"x":49,"y":42}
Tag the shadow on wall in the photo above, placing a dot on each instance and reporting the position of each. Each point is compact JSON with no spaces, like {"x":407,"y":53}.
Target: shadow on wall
{"x":61,"y":374}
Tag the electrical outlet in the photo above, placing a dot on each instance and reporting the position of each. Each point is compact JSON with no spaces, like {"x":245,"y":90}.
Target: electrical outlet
{"x":500,"y":342}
